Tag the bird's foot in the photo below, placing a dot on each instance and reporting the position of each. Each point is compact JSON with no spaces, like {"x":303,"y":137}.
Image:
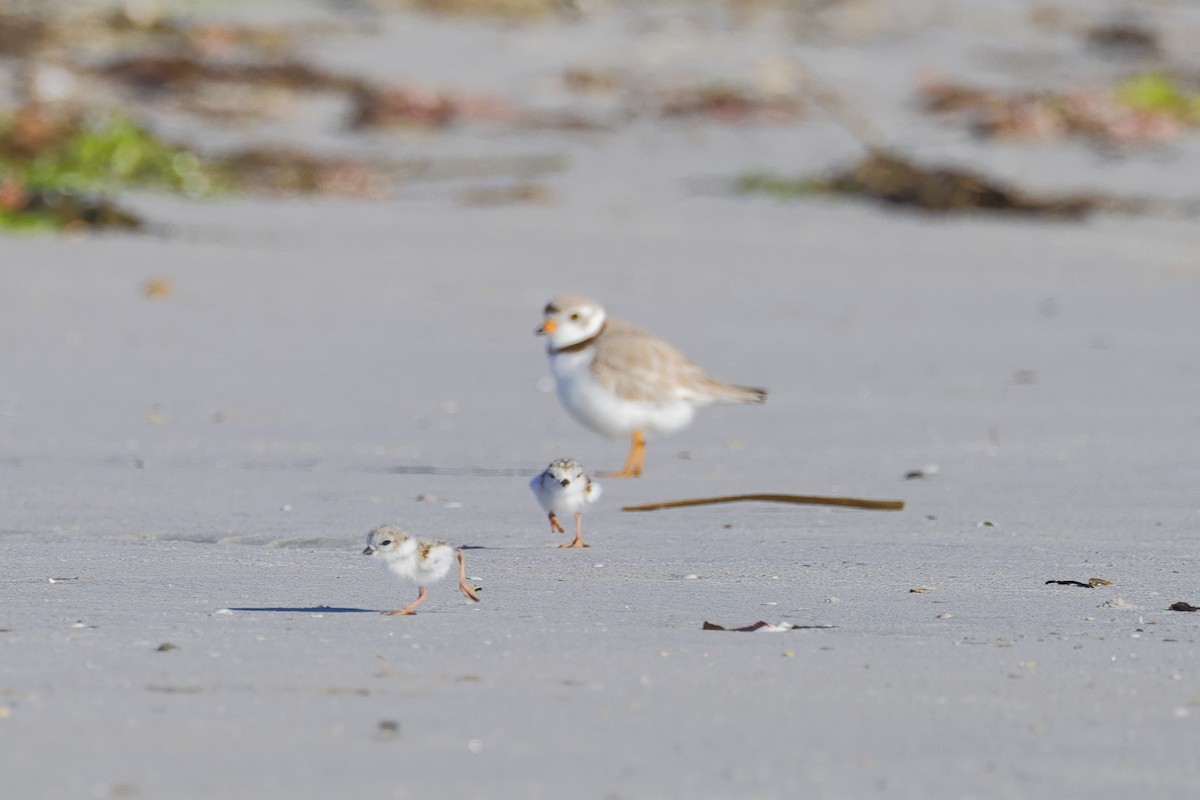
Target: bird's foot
{"x":624,"y":472}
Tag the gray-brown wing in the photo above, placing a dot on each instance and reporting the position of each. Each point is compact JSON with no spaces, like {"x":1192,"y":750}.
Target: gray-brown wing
{"x":636,"y":365}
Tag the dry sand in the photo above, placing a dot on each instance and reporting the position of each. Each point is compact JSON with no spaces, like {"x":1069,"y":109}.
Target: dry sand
{"x":200,"y":470}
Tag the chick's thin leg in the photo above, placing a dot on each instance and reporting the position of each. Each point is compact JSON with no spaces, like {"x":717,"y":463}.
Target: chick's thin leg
{"x":408,"y":609}
{"x":578,"y":542}
{"x":464,"y":587}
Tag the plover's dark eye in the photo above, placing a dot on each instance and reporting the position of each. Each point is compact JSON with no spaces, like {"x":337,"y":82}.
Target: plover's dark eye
{"x":575,"y":316}
{"x":385,"y":543}
{"x":565,"y":481}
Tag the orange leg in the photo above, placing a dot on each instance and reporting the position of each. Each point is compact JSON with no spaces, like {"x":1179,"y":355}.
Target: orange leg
{"x":408,"y":609}
{"x":635,"y":460}
{"x":579,"y":542}
{"x":464,"y":587}
{"x":555,"y":527}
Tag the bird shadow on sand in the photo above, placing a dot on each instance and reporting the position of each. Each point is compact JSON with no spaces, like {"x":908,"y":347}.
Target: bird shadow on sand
{"x":310,"y":610}
{"x":460,"y":472}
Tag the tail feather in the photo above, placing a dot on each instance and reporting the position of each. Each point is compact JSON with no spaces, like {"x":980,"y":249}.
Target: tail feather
{"x":737,"y":394}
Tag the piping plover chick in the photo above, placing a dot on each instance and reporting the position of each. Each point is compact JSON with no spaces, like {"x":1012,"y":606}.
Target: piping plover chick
{"x":563,"y":489}
{"x":421,"y":561}
{"x":617,"y":379}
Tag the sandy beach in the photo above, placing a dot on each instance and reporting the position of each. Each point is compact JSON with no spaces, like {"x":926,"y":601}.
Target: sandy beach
{"x":186,"y":482}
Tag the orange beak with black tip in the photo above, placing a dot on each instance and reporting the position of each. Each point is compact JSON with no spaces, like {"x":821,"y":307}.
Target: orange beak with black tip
{"x":547,"y":327}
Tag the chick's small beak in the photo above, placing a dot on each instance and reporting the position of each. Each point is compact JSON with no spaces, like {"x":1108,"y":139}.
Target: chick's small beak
{"x":370,"y":551}
{"x":547,"y":327}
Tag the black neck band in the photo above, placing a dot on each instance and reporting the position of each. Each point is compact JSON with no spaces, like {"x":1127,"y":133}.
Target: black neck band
{"x":586,"y":343}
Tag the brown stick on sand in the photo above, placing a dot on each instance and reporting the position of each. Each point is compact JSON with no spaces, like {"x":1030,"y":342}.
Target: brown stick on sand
{"x":798,"y":499}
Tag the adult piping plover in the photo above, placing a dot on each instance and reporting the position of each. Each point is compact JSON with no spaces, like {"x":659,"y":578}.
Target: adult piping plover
{"x":422,"y":561}
{"x":617,"y":379}
{"x":562,"y":489}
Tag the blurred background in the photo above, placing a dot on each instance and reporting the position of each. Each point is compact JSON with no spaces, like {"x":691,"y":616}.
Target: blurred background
{"x":1045,"y":106}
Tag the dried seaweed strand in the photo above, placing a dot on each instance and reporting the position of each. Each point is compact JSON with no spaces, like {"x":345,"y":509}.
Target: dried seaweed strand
{"x":798,"y":499}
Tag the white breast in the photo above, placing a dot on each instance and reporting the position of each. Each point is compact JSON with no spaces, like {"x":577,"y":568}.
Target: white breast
{"x":597,"y":408}
{"x":562,"y":501}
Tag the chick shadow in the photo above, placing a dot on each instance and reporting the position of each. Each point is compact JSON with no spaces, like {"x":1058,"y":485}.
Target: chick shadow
{"x":309,"y":610}
{"x":459,"y":472}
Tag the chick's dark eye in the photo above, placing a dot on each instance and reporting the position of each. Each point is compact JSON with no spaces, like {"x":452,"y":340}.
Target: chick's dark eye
{"x":385,"y":542}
